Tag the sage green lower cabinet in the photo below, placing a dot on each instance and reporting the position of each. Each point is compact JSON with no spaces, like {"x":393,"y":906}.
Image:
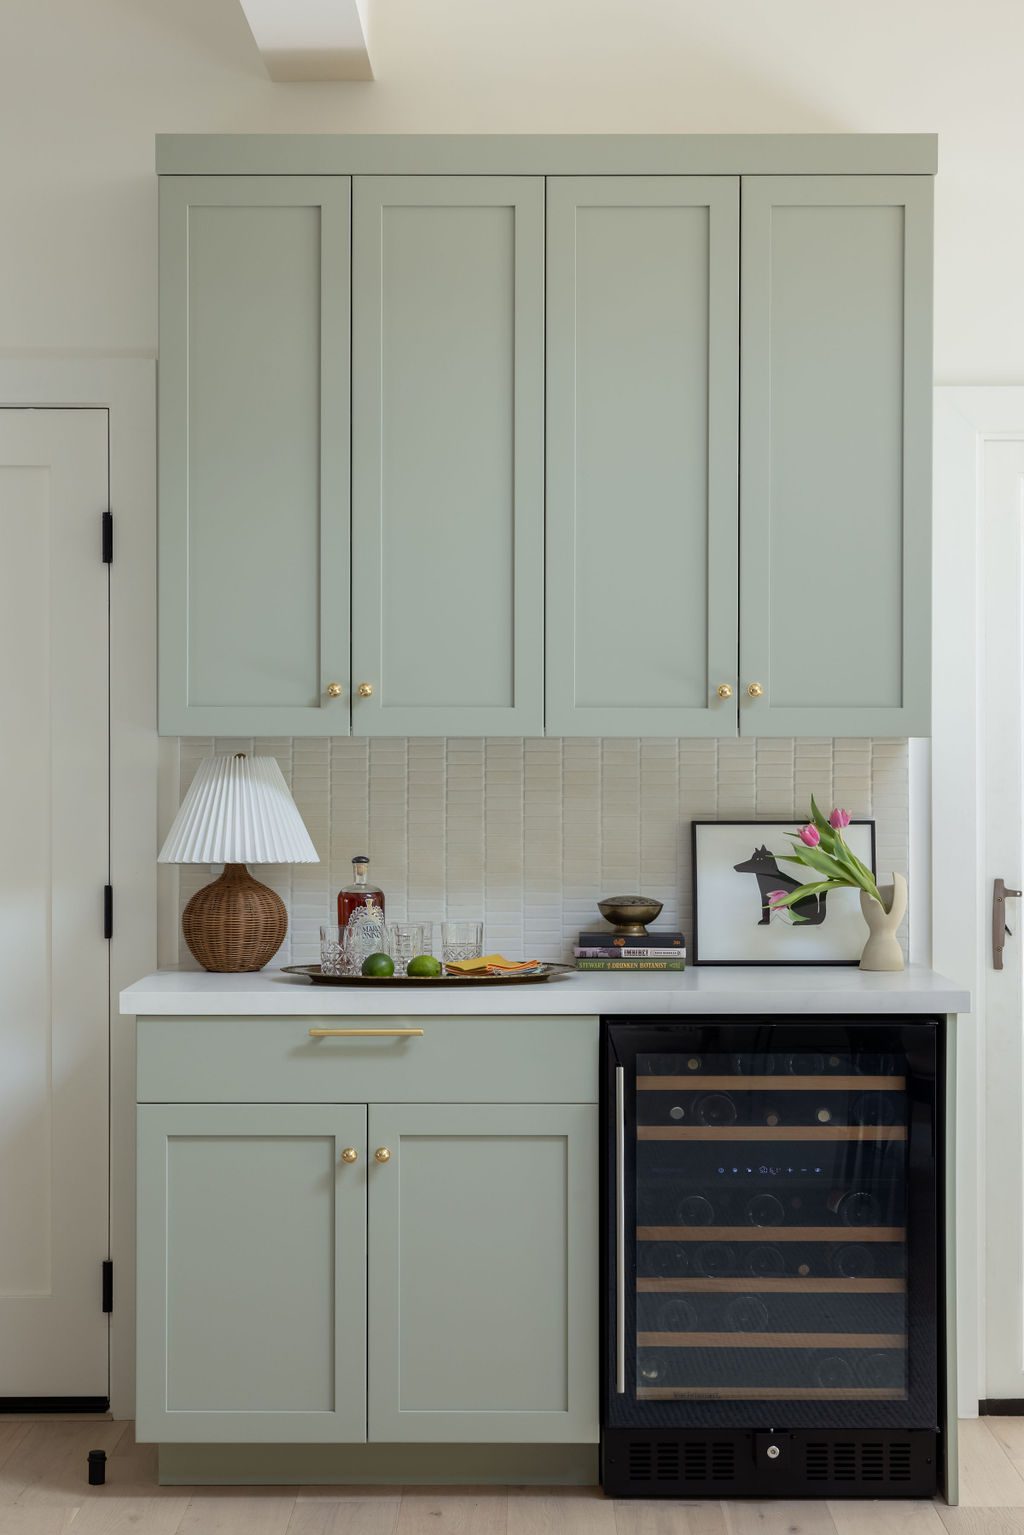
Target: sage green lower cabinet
{"x":642,"y":445}
{"x":251,"y":1273}
{"x":483,"y":1273}
{"x":835,"y":571}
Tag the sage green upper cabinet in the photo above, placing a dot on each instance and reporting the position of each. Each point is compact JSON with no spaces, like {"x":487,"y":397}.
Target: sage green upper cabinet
{"x":251,"y":1273}
{"x":642,"y":443}
{"x":835,"y":478}
{"x":483,"y":1273}
{"x":254,"y":460}
{"x":448,"y":455}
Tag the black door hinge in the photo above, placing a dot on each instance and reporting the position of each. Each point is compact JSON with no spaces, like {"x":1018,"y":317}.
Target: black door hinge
{"x":108,"y":911}
{"x":108,"y":1284}
{"x":107,"y":538}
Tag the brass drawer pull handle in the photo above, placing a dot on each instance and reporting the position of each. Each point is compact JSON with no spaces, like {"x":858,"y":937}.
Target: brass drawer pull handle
{"x":363,"y":1033}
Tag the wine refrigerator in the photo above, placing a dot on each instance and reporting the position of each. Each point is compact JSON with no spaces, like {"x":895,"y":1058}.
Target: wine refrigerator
{"x":771,"y":1272}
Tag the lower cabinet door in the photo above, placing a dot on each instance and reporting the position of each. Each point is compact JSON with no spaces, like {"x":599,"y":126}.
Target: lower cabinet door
{"x":251,"y":1273}
{"x":483,"y":1294}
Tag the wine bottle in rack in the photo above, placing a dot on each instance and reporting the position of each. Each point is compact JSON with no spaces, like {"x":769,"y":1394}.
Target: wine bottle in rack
{"x":676,"y":1315}
{"x":714,"y":1260}
{"x":852,"y":1261}
{"x":695,"y":1210}
{"x":769,"y":1114}
{"x":765,"y":1262}
{"x":807,"y":1064}
{"x":665,"y":1260}
{"x":715,"y":1109}
{"x":765,"y":1210}
{"x":882,"y":1369}
{"x":747,"y":1313}
{"x":855,"y":1207}
{"x":833,"y":1372}
{"x":653,"y":1368}
{"x":872,"y":1109}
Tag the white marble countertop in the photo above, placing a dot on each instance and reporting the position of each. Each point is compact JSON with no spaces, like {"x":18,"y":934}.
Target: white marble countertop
{"x":760,"y":989}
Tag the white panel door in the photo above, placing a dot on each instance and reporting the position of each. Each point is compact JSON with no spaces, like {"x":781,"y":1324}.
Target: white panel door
{"x":54,"y":862}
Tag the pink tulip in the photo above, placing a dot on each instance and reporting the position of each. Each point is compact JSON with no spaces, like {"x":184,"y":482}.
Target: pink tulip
{"x":775,"y":896}
{"x":838,"y":819}
{"x":810,"y":836}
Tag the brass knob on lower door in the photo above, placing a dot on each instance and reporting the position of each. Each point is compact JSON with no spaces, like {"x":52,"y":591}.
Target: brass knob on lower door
{"x":382,"y":1154}
{"x":350,"y":1154}
{"x":724,"y":690}
{"x":334,"y":690}
{"x":365,"y":690}
{"x":755,"y":690}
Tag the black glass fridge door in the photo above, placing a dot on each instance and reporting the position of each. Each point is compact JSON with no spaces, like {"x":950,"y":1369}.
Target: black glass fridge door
{"x":771,"y":1223}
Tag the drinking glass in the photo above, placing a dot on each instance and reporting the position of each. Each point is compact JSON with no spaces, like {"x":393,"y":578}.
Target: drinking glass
{"x":407,"y":939}
{"x":337,"y":956}
{"x":461,"y":940}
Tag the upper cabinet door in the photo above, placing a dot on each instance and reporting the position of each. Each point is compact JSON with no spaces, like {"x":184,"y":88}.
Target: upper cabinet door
{"x":448,"y":455}
{"x":836,"y":459}
{"x":642,"y":397}
{"x":254,"y":464}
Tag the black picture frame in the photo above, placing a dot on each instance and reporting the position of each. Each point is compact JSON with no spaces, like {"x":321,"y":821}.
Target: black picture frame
{"x":764,"y":825}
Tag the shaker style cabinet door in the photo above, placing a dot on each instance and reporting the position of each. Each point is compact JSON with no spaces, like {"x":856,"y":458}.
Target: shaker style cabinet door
{"x":254,"y":465}
{"x":251,"y":1273}
{"x":642,"y":385}
{"x":835,"y":488}
{"x":483,"y":1273}
{"x":448,"y":455}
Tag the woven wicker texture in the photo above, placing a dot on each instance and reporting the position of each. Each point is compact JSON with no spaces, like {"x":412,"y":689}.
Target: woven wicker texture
{"x":235,"y":923}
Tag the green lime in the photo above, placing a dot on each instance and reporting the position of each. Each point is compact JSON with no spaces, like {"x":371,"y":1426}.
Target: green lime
{"x":424,"y":964}
{"x":378,"y":964}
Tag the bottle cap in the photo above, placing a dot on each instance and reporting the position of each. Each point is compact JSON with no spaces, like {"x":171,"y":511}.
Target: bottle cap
{"x":360,"y":858}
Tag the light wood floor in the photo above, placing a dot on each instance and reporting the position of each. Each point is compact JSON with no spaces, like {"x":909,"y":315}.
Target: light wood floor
{"x":43,"y":1491}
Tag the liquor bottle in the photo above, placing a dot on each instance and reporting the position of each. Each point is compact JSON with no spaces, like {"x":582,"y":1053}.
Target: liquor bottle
{"x":854,"y":1207}
{"x":765,"y":1262}
{"x":360,"y":893}
{"x":765,"y":1210}
{"x":852,"y":1261}
{"x":746,"y":1314}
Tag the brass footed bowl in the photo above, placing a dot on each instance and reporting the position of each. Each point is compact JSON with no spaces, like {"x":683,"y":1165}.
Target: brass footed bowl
{"x":629,"y":914}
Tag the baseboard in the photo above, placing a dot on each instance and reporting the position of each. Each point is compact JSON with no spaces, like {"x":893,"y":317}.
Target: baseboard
{"x":1005,"y":1407}
{"x":54,"y":1404}
{"x":233,"y":1465}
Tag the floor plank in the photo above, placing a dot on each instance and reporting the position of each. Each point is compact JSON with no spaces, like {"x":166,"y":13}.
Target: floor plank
{"x":36,"y":1521}
{"x":349,"y":1516}
{"x":49,"y":1466}
{"x":107,"y":1513}
{"x":988,"y":1477}
{"x":783,"y":1517}
{"x":854,"y":1516}
{"x":1009,"y":1434}
{"x":660,"y":1516}
{"x":238,"y":1511}
{"x":453,"y":1511}
{"x":982,"y":1521}
{"x":559,"y":1511}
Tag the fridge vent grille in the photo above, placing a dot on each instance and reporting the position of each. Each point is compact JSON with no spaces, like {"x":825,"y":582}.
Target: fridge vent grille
{"x":868,"y":1461}
{"x":692,"y":1461}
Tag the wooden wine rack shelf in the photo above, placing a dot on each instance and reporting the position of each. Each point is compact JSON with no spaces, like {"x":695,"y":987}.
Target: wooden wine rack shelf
{"x":771,"y":1132}
{"x":790,"y":1286}
{"x":772,"y":1084}
{"x":771,"y":1394}
{"x":783,"y":1340}
{"x":771,"y":1234}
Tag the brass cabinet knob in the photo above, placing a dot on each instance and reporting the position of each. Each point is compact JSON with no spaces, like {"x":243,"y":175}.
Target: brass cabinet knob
{"x":382,"y":1154}
{"x":365,"y":690}
{"x":724,"y":690}
{"x":755,"y":690}
{"x":350,"y":1154}
{"x":334,"y":690}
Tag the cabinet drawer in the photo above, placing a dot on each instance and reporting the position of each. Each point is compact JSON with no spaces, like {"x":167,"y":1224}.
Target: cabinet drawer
{"x":277,"y":1060}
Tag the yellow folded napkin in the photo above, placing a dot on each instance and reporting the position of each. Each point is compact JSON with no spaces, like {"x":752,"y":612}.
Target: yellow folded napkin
{"x":490,"y":964}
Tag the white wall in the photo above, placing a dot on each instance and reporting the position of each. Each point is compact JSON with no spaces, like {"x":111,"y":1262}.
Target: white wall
{"x":85,"y":85}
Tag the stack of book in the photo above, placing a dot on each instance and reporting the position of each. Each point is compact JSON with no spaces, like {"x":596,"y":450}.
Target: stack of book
{"x":648,"y":951}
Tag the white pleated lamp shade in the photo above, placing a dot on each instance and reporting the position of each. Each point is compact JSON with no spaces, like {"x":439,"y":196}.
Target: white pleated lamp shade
{"x":238,"y":810}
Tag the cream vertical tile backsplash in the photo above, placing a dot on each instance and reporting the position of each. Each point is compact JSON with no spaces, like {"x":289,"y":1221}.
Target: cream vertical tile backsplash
{"x":528,"y":834}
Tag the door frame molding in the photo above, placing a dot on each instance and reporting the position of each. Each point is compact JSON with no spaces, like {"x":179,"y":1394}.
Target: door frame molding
{"x":126,"y":388}
{"x":966,"y":419}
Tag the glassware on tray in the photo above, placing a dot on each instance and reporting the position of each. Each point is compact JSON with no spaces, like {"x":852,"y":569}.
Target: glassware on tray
{"x":407,"y":939}
{"x":336,"y":956}
{"x":461,"y":940}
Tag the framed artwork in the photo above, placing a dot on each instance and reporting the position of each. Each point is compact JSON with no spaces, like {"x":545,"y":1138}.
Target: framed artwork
{"x":736,"y":864}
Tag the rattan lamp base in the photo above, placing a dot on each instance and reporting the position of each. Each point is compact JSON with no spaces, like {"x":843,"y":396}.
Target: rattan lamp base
{"x":235,"y":923}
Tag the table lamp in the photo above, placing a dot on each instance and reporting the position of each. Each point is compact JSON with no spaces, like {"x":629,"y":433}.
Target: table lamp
{"x":238,"y":810}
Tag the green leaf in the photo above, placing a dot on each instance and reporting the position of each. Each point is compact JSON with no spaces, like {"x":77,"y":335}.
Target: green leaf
{"x":803,"y":891}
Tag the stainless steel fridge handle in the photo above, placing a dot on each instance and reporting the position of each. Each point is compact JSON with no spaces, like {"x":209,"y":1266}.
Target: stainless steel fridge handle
{"x":620,"y":1230}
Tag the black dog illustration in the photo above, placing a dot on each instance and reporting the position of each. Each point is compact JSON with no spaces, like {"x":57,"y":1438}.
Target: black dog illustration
{"x":770,"y":877}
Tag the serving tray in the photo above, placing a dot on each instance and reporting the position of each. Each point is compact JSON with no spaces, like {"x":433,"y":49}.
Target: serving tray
{"x":313,"y":973}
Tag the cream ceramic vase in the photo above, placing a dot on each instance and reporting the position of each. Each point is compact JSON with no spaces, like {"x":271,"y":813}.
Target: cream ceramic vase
{"x":882,"y":950}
